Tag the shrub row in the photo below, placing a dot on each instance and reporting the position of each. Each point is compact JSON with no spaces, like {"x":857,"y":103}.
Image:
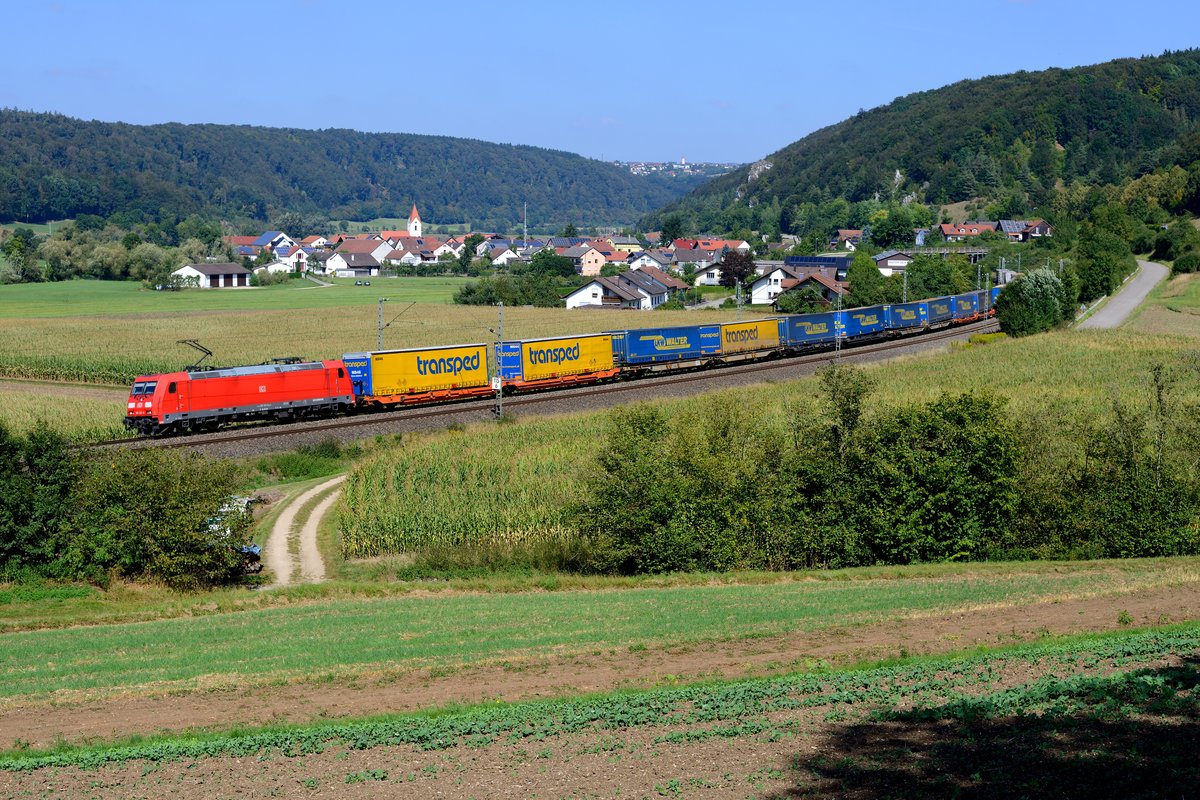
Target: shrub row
{"x":133,"y":513}
{"x":960,"y":478}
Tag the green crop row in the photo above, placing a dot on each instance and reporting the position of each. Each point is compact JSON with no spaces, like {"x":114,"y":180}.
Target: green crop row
{"x":505,"y":485}
{"x":1105,"y":676}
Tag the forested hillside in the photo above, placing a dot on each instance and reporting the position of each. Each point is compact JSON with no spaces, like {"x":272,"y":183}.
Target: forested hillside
{"x":53,"y":167}
{"x":1009,"y":138}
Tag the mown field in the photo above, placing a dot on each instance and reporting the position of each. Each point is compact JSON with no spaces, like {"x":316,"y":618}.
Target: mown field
{"x":1173,"y":309}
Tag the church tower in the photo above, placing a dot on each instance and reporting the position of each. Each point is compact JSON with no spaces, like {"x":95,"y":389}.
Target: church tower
{"x":414,"y":222}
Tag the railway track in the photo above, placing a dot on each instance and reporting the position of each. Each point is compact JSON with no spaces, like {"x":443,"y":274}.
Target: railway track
{"x":249,"y":434}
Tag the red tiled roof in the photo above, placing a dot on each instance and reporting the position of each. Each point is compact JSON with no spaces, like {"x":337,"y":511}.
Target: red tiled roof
{"x":966,"y":229}
{"x":828,"y":283}
{"x":663,"y":278}
{"x":359,"y":246}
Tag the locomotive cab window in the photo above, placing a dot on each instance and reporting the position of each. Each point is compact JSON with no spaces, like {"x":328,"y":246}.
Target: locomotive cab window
{"x":171,"y":389}
{"x":341,"y":372}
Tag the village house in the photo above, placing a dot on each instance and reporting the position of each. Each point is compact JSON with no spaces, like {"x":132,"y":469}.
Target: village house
{"x":588,"y":260}
{"x":891,"y":262}
{"x":1019,"y":230}
{"x":847,"y":239}
{"x":652,"y":292}
{"x":659,"y":259}
{"x":353,"y":265}
{"x":672,"y":283}
{"x":214,"y":276}
{"x":625,"y":244}
{"x":603,"y":293}
{"x":956,"y":233}
{"x":829,"y":288}
{"x":376,"y":248}
{"x":776,"y":280}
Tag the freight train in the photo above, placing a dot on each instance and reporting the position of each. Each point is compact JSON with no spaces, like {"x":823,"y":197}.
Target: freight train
{"x":289,"y":390}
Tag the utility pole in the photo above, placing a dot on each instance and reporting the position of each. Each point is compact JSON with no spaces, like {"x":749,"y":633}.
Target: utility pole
{"x":525,"y":235}
{"x":499,"y":379}
{"x":905,"y":297}
{"x":738,"y":294}
{"x":382,"y":300}
{"x":837,"y":331}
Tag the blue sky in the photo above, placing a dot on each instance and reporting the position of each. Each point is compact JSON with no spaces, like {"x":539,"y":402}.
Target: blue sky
{"x":712,"y":81}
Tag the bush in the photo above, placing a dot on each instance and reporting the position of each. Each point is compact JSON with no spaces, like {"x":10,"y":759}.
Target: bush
{"x":723,"y":486}
{"x":1187,"y":263}
{"x":1033,"y":303}
{"x":151,"y":513}
{"x":308,"y":461}
{"x":37,"y":473}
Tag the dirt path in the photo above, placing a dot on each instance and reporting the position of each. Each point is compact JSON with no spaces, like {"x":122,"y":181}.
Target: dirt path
{"x":312,"y":566}
{"x":276,"y":555}
{"x":586,"y":671}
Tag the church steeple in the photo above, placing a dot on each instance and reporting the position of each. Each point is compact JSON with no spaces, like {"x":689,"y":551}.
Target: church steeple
{"x":414,"y":222}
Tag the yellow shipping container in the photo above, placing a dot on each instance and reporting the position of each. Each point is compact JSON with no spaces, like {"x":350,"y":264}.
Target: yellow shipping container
{"x":429,"y":369}
{"x":759,"y":334}
{"x":550,"y":358}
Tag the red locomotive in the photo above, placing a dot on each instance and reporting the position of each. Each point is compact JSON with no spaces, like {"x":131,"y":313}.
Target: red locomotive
{"x":206,"y":399}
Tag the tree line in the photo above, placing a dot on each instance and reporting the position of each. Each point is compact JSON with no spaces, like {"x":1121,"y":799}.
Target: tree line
{"x":1014,"y":140}
{"x":56,"y":167}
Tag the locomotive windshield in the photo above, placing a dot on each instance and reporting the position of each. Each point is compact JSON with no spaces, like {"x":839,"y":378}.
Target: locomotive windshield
{"x":145,"y":387}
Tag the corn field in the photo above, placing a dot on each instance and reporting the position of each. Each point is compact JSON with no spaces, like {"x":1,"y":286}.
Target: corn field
{"x":501,"y":485}
{"x":515,"y":483}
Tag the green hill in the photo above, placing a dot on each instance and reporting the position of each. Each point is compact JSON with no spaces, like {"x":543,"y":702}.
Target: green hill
{"x":54,"y":167}
{"x":1018,"y":134}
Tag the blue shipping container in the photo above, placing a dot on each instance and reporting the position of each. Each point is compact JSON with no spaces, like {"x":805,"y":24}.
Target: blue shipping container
{"x":908,"y":316}
{"x":358,"y":366}
{"x":864,"y":321}
{"x":995,"y":294}
{"x":803,"y":330}
{"x":966,"y":305}
{"x":941,"y":309}
{"x":655,"y":345}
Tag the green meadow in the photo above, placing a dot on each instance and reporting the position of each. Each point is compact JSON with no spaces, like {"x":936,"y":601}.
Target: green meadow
{"x":344,"y":635}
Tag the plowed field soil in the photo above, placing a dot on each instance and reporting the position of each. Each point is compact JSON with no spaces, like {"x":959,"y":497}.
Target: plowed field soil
{"x":579,"y":766}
